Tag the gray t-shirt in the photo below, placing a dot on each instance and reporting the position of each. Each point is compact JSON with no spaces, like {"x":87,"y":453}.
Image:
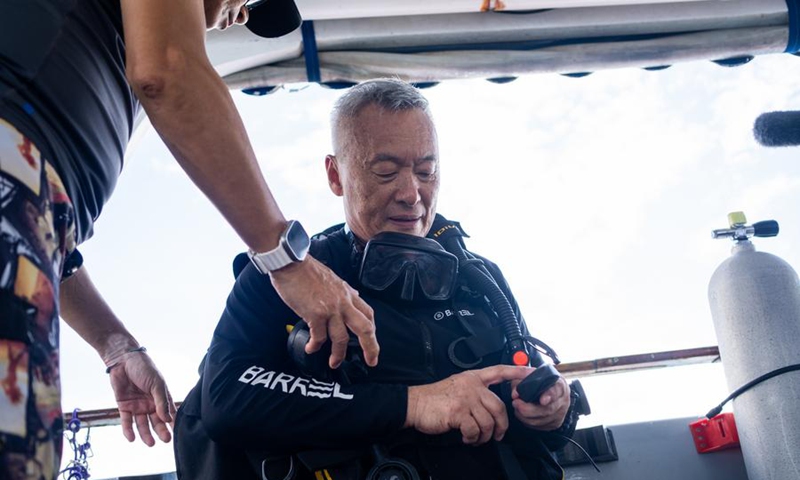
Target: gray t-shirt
{"x":63,"y":85}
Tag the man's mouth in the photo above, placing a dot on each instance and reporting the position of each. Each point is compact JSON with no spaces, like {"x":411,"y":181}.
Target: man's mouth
{"x":405,"y":220}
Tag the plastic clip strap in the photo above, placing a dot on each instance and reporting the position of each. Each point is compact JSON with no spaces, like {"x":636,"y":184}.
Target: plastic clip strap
{"x":310,"y":52}
{"x":794,"y":26}
{"x":542,"y":347}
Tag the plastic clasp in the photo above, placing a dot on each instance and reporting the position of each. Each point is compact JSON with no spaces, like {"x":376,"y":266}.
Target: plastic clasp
{"x":718,"y":433}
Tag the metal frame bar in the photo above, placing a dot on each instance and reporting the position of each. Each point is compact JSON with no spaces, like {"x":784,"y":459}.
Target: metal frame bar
{"x":110,"y":416}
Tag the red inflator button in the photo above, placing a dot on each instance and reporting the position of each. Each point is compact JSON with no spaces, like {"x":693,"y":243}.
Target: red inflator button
{"x":520,"y":359}
{"x":715,"y":434}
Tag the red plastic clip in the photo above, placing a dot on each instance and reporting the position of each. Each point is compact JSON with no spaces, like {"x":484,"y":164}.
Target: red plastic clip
{"x":715,"y":434}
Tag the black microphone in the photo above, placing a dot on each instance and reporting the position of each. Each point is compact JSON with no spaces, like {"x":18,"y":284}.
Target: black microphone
{"x":778,"y":129}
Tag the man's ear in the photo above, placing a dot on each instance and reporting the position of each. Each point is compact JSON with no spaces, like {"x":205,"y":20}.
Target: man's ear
{"x":334,"y":178}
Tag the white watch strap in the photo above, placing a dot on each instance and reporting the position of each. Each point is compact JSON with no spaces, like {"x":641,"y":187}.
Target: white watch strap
{"x":275,"y":259}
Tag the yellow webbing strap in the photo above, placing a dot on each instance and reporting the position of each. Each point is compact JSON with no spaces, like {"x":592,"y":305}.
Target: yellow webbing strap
{"x":322,"y":475}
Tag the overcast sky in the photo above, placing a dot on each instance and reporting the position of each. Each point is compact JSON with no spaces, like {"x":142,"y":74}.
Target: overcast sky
{"x":596,"y":196}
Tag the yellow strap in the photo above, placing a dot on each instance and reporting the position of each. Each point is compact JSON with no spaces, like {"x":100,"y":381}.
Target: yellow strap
{"x":322,"y":475}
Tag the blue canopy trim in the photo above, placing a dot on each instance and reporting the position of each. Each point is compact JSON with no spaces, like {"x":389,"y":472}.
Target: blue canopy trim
{"x":794,"y":26}
{"x":310,"y":52}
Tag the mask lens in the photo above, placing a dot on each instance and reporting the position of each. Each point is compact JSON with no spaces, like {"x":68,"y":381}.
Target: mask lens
{"x":437,"y":276}
{"x":433,"y":269}
{"x":383,"y":264}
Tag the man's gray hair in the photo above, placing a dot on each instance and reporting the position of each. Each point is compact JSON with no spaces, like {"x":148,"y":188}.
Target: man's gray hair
{"x":390,"y":94}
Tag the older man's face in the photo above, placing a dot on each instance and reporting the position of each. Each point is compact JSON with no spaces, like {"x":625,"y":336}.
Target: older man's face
{"x":389,"y":173}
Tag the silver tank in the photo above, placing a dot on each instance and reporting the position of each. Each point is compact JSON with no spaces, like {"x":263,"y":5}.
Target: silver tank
{"x":755,"y":304}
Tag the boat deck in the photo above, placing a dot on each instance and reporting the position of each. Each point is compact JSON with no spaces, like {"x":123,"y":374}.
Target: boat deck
{"x":661,"y":450}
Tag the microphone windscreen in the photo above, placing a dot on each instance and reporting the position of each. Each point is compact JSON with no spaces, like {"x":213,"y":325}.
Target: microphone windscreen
{"x":778,"y":129}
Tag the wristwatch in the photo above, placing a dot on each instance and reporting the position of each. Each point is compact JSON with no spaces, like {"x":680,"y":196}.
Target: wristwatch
{"x":292,"y":248}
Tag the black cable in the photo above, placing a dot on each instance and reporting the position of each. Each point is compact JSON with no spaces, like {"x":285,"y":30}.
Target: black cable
{"x":581,"y":448}
{"x":716,"y":410}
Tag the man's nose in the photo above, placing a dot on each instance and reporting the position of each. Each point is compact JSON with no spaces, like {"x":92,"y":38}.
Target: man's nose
{"x":408,"y":189}
{"x":243,"y":16}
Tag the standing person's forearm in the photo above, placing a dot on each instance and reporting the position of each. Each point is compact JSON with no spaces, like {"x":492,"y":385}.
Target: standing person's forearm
{"x":193,"y":112}
{"x":198,"y":122}
{"x":190,"y":107}
{"x":85,"y":311}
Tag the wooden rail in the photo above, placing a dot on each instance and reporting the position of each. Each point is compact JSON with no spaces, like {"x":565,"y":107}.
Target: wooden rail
{"x":644,"y":361}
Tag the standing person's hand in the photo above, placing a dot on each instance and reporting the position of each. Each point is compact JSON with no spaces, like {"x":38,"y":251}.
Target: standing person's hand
{"x":141,"y":393}
{"x":142,"y":397}
{"x":329,"y":306}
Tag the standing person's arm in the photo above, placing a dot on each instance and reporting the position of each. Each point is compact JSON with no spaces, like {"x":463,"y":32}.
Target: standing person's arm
{"x":191,"y":108}
{"x":141,"y":393}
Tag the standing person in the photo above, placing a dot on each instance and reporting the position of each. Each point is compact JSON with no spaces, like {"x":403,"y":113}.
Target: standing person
{"x":73,"y":74}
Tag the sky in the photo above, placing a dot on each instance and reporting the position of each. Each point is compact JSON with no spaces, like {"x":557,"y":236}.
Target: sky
{"x":596,"y":197}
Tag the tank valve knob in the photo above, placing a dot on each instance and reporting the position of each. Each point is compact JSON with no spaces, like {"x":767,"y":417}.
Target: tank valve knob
{"x":740,"y":231}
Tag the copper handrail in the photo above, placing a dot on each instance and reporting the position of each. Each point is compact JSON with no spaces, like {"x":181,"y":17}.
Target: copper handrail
{"x":627,"y":363}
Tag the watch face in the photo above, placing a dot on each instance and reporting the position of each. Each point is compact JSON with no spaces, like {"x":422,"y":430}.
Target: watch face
{"x":297,"y":240}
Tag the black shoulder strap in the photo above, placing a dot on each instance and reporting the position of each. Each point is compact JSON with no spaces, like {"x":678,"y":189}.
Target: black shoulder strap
{"x":511,"y":467}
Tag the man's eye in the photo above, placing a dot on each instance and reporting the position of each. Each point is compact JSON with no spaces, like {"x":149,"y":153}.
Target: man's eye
{"x":385,"y":175}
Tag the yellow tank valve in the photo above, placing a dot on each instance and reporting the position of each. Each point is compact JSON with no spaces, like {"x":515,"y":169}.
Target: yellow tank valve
{"x":736,"y":219}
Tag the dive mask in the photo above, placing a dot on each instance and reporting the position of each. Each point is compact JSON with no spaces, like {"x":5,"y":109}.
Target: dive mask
{"x":397,"y":261}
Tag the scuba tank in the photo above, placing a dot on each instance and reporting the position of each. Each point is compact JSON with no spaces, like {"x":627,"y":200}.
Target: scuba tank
{"x":755,"y":306}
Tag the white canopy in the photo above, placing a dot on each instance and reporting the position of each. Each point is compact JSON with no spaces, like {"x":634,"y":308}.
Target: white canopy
{"x":428,"y":41}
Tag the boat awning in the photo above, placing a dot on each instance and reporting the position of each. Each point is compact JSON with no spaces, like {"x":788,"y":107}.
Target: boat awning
{"x":425,"y":42}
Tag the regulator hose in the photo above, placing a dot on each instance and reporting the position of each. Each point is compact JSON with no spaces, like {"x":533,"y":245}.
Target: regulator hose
{"x":480,"y":280}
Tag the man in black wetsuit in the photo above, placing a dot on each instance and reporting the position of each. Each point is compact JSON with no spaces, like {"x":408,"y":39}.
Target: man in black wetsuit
{"x":72,"y":76}
{"x":452,"y":413}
